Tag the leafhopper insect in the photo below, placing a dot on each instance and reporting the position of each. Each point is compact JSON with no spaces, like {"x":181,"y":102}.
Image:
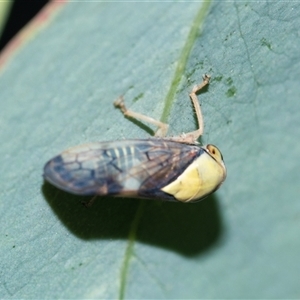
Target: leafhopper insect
{"x":165,"y":168}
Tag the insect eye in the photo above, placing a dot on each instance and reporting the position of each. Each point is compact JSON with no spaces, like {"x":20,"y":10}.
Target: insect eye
{"x":214,"y":152}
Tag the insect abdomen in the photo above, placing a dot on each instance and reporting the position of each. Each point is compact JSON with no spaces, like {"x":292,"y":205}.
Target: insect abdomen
{"x":125,"y":168}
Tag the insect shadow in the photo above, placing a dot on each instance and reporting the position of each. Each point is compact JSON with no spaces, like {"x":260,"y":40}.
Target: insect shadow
{"x":188,"y":229}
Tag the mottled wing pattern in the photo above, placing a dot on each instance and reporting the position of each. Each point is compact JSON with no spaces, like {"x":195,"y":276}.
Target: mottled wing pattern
{"x":128,"y":168}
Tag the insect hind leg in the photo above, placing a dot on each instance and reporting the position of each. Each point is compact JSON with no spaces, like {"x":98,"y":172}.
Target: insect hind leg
{"x":162,"y":127}
{"x":90,"y":202}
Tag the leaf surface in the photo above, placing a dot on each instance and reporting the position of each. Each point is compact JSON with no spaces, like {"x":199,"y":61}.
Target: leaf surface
{"x":57,"y":92}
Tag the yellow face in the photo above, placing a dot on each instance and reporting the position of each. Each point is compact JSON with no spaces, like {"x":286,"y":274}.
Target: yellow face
{"x":201,"y":178}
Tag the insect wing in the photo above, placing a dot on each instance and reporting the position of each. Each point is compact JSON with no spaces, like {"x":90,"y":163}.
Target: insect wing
{"x":128,"y":168}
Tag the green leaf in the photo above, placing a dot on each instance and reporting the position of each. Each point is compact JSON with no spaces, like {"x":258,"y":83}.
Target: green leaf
{"x":57,"y":92}
{"x":4,"y":10}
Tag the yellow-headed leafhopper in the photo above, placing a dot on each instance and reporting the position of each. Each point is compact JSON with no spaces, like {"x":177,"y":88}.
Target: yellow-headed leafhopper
{"x":165,"y":168}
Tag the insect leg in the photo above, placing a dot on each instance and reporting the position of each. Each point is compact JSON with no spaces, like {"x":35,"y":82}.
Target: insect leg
{"x":162,"y":127}
{"x":193,"y":95}
{"x":191,"y":137}
{"x":89,"y":202}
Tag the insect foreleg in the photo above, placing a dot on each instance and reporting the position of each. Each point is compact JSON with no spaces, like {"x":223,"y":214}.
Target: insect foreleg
{"x":193,"y":95}
{"x":187,"y":138}
{"x":191,"y":137}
